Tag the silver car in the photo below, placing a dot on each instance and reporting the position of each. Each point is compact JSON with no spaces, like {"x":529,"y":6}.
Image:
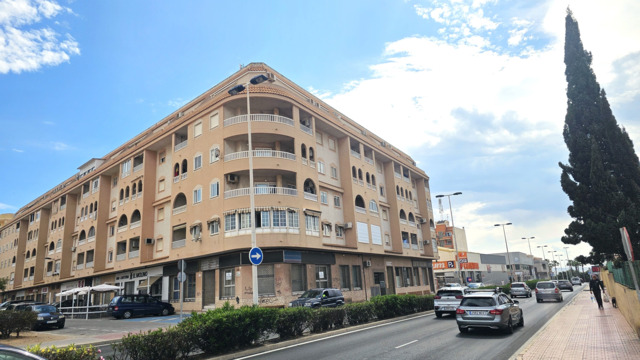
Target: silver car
{"x":447,"y":300}
{"x":520,"y":289}
{"x":548,"y":290}
{"x":489,"y":310}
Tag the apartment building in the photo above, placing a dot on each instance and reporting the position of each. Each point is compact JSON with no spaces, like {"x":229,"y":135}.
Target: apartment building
{"x":445,"y":236}
{"x":334,"y":206}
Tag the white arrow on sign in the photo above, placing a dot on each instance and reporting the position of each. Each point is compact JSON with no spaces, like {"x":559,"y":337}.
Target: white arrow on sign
{"x":256,"y":256}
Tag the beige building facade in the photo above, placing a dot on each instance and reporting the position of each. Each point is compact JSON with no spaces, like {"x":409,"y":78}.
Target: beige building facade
{"x":335,"y":206}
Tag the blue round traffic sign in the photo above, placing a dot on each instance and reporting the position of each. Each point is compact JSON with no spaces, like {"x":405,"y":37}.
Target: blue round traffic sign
{"x":255,"y":256}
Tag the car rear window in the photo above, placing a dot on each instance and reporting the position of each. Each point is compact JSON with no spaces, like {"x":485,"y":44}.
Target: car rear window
{"x":449,"y":292}
{"x":44,"y":308}
{"x":517,"y":285}
{"x":478,"y":302}
{"x":546,"y":285}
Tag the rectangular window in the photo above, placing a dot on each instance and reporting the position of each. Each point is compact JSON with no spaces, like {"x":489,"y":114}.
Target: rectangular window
{"x":197,"y":129}
{"x":324,"y":197}
{"x":416,"y":276}
{"x":214,"y":190}
{"x":214,"y":227}
{"x":312,"y":222}
{"x":298,"y":277}
{"x":293,"y":218}
{"x":245,"y":220}
{"x":339,"y":231}
{"x":357,"y":277}
{"x":126,"y":168}
{"x":318,"y":137}
{"x":266,"y":280}
{"x":376,"y":235}
{"x":214,"y":155}
{"x":320,"y":167}
{"x":161,"y":214}
{"x":263,"y":219}
{"x":336,"y":201}
{"x":345,"y":278}
{"x":229,"y":222}
{"x":197,"y":162}
{"x":334,"y":172}
{"x":112,"y":230}
{"x":214,"y":120}
{"x":332,"y":144}
{"x":279,"y":218}
{"x":326,"y":229}
{"x":197,"y":196}
{"x":323,"y":276}
{"x":161,"y":185}
{"x":190,"y":287}
{"x":227,"y":283}
{"x":381,"y":190}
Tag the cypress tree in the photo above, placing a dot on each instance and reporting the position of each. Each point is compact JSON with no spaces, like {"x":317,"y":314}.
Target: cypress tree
{"x":603,"y":174}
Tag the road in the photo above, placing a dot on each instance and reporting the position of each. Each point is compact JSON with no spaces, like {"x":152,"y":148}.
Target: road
{"x":424,"y":337}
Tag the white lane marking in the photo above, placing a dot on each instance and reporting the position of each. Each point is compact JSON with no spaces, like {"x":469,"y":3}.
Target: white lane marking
{"x":331,"y":337}
{"x":409,"y":343}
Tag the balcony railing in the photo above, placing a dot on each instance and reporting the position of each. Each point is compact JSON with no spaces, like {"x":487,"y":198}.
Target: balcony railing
{"x":138,"y":167}
{"x":368,"y":160}
{"x":310,"y":196}
{"x":306,"y":129}
{"x":135,"y":224}
{"x":178,"y":243}
{"x":260,"y":191}
{"x":259,"y":117}
{"x":180,"y":145}
{"x":361,"y":210}
{"x":89,"y":265}
{"x":179,"y":209}
{"x":80,"y":267}
{"x":121,"y":257}
{"x":260,"y":153}
{"x":122,"y":228}
{"x":134,"y":254}
{"x":355,"y":154}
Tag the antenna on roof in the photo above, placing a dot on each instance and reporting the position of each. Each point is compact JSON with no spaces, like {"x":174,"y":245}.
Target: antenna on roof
{"x":441,"y":209}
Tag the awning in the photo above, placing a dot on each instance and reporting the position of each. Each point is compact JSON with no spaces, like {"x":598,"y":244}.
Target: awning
{"x":149,"y":281}
{"x":312,"y":212}
{"x":213,"y":218}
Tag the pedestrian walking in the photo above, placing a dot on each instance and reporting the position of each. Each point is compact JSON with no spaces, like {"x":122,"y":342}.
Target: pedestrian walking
{"x":594,"y":287}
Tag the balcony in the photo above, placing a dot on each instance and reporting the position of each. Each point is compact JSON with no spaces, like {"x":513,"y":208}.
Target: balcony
{"x":180,"y":145}
{"x":306,"y":129}
{"x":80,"y":267}
{"x":122,"y":228}
{"x":121,"y":257}
{"x":368,"y":160}
{"x":261,"y":191}
{"x":259,"y":118}
{"x":135,"y":224}
{"x":89,"y":265}
{"x":179,"y":209}
{"x":134,"y":254}
{"x":178,"y":243}
{"x":139,"y":167}
{"x":355,"y":154}
{"x":260,"y":153}
{"x":361,"y":210}
{"x":310,"y":196}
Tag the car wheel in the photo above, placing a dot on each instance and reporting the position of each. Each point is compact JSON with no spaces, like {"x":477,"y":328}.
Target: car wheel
{"x":463,"y":330}
{"x":165,"y":312}
{"x":438,"y":314}
{"x":127,"y":314}
{"x":561,"y":299}
{"x":509,"y":328}
{"x":61,"y":326}
{"x":521,"y":323}
{"x":538,"y":300}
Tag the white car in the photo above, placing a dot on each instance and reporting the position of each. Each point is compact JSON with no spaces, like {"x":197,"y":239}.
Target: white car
{"x":576,"y":280}
{"x":448,"y":299}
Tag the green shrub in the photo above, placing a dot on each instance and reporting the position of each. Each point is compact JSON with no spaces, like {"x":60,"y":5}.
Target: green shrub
{"x":320,"y":320}
{"x":292,"y":322}
{"x":12,"y":321}
{"x":173,"y":343}
{"x":70,"y":352}
{"x":359,"y":313}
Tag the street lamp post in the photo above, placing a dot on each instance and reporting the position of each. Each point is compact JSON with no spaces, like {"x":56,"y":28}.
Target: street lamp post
{"x":235,"y":91}
{"x":570,"y":265}
{"x":507,"y":246}
{"x":560,"y":256}
{"x":554,"y":260}
{"x":529,"y":241}
{"x":544,"y":257}
{"x":453,"y":233}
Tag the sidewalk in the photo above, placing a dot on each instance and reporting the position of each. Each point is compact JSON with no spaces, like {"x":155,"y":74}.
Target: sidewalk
{"x":581,"y":331}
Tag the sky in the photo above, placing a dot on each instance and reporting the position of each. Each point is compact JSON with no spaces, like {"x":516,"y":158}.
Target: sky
{"x":474,"y":91}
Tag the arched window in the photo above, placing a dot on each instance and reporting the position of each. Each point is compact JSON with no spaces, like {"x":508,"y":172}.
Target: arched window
{"x":123,"y":221}
{"x":353,"y":172}
{"x":410,"y":195}
{"x":411,"y":218}
{"x":92,"y":232}
{"x":83,"y":236}
{"x":81,"y":212}
{"x":397,"y":190}
{"x":33,"y":253}
{"x":139,"y":186}
{"x":368,"y":177}
{"x":13,"y":261}
{"x":403,"y":215}
{"x":28,"y":254}
{"x":121,"y":194}
{"x":63,"y":221}
{"x":126,"y":192}
{"x":184,"y":166}
{"x":135,"y":217}
{"x":176,"y":170}
{"x":373,"y":206}
{"x":360,"y":174}
{"x":373,"y":180}
{"x":402,"y":191}
{"x":180,"y":200}
{"x":91,"y":208}
{"x":134,"y":189}
{"x":311,"y":155}
{"x":359,"y":201}
{"x":303,"y":151}
{"x":52,"y":246}
{"x":309,"y":186}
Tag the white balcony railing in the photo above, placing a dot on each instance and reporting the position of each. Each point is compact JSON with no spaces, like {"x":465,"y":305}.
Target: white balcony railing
{"x":355,"y":154}
{"x":178,"y":243}
{"x":138,"y":167}
{"x":89,"y":265}
{"x":80,"y":267}
{"x":135,"y":224}
{"x":260,"y":191}
{"x":310,"y":196}
{"x":121,"y":257}
{"x":134,"y":254}
{"x":368,"y":160}
{"x":176,"y":179}
{"x":361,"y":210}
{"x":306,"y":129}
{"x":180,"y":145}
{"x":260,"y":153}
{"x":259,"y":118}
{"x":179,"y":209}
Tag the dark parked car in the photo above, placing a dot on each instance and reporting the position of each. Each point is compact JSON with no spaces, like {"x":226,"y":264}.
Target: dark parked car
{"x":20,"y":305}
{"x":319,"y":298}
{"x":565,"y":285}
{"x":489,"y":310}
{"x":47,"y":315}
{"x":126,"y":306}
{"x":5,"y":305}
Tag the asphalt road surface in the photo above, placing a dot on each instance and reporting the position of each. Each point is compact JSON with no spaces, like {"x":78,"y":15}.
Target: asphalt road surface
{"x":424,"y":337}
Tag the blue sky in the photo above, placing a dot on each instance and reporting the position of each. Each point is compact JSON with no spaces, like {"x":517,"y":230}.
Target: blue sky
{"x":472,"y":90}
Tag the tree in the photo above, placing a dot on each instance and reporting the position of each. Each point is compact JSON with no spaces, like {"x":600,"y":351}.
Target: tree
{"x":3,"y":284}
{"x":602,"y":178}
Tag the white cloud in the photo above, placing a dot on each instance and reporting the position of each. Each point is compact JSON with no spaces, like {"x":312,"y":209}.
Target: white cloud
{"x":17,"y":150}
{"x":59,"y":146}
{"x":24,"y":48}
{"x":176,"y":103}
{"x":5,"y":207}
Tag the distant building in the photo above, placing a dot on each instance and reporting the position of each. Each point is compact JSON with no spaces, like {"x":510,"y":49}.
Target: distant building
{"x":486,"y":268}
{"x":445,"y":238}
{"x":5,"y":218}
{"x":523,"y":265}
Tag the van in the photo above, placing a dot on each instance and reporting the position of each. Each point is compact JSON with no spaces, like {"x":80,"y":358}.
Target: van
{"x":126,"y":306}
